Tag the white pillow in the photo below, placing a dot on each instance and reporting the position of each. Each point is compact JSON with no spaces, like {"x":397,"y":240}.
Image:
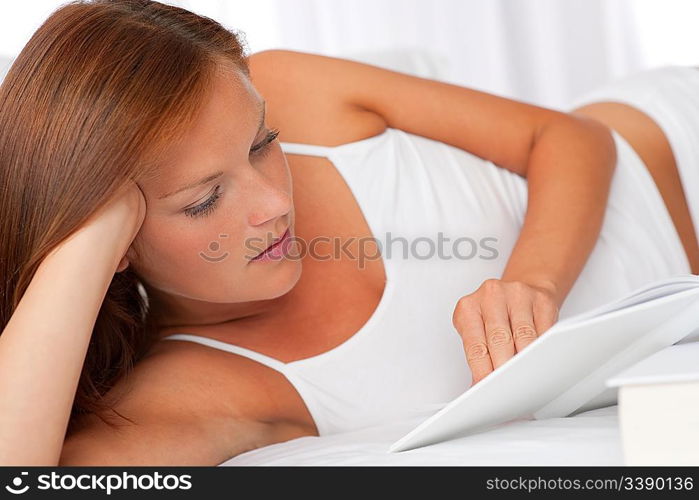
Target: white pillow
{"x":5,"y":63}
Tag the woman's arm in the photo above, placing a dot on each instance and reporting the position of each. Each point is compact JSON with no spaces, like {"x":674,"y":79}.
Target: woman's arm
{"x":567,"y":159}
{"x":43,"y":346}
{"x":569,"y":175}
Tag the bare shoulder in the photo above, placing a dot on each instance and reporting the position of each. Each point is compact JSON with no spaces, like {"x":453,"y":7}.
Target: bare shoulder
{"x":308,"y":98}
{"x":185,"y":408}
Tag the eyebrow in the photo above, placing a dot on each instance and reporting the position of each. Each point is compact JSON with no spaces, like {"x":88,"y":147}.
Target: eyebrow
{"x":200,"y":182}
{"x":218,"y":174}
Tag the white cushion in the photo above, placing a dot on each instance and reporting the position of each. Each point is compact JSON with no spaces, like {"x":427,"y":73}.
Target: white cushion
{"x":5,"y":63}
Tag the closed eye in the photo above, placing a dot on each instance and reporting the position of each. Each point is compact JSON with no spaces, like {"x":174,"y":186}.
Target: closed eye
{"x":206,"y":207}
{"x":262,"y":146}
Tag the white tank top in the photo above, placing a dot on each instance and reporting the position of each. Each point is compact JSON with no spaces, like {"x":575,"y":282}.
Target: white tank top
{"x":408,"y":357}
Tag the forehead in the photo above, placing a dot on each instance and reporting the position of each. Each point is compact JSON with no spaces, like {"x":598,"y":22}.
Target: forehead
{"x":224,"y":126}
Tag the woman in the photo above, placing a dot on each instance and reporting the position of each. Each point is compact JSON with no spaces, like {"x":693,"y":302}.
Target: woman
{"x":143,"y":181}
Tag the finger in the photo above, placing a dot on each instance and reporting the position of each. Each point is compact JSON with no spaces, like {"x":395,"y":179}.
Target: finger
{"x":469,"y":323}
{"x":522,"y":322}
{"x":123,"y":264}
{"x":497,"y":328}
{"x":545,"y":315}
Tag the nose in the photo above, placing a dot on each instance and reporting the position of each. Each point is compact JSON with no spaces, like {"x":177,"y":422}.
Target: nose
{"x":270,"y":203}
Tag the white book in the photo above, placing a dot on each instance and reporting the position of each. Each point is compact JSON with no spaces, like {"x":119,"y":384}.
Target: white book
{"x":564,"y":371}
{"x":659,"y":407}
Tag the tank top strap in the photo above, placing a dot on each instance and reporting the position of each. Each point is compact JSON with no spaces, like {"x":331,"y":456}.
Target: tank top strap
{"x":224,"y":346}
{"x":307,"y":149}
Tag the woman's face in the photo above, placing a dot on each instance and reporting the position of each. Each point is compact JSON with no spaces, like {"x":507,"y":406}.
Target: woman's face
{"x":223,"y":195}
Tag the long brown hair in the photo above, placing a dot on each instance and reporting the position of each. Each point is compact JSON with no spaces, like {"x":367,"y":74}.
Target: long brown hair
{"x":100,"y":88}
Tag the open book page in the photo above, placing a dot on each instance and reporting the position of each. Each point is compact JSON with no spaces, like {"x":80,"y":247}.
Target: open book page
{"x":650,"y":291}
{"x":565,"y":369}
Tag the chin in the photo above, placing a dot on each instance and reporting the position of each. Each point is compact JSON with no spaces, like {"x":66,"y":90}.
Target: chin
{"x":272,"y":280}
{"x":285,"y":278}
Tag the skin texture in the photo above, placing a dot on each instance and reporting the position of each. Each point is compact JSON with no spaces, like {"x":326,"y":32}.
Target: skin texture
{"x":214,"y":279}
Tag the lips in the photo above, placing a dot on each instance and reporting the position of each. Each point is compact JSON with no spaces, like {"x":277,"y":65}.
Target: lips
{"x":273,"y":245}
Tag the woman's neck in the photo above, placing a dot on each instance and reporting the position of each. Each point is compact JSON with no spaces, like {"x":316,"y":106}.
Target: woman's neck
{"x":172,"y":311}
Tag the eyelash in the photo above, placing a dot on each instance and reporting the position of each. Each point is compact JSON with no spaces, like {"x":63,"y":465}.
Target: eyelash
{"x":263,"y":146}
{"x":208,"y":206}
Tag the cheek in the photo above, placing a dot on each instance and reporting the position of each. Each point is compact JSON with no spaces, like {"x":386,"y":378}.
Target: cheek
{"x":187,"y":256}
{"x":165,"y":246}
{"x":164,"y":253}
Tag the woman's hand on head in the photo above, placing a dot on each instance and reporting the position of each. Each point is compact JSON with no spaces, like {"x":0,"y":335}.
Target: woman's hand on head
{"x":117,"y":222}
{"x":500,"y":319}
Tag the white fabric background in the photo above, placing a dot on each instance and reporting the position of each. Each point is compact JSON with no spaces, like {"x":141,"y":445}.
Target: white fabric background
{"x":541,"y":51}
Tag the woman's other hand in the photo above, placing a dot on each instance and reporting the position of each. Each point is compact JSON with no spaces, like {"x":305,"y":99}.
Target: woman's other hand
{"x":500,"y":319}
